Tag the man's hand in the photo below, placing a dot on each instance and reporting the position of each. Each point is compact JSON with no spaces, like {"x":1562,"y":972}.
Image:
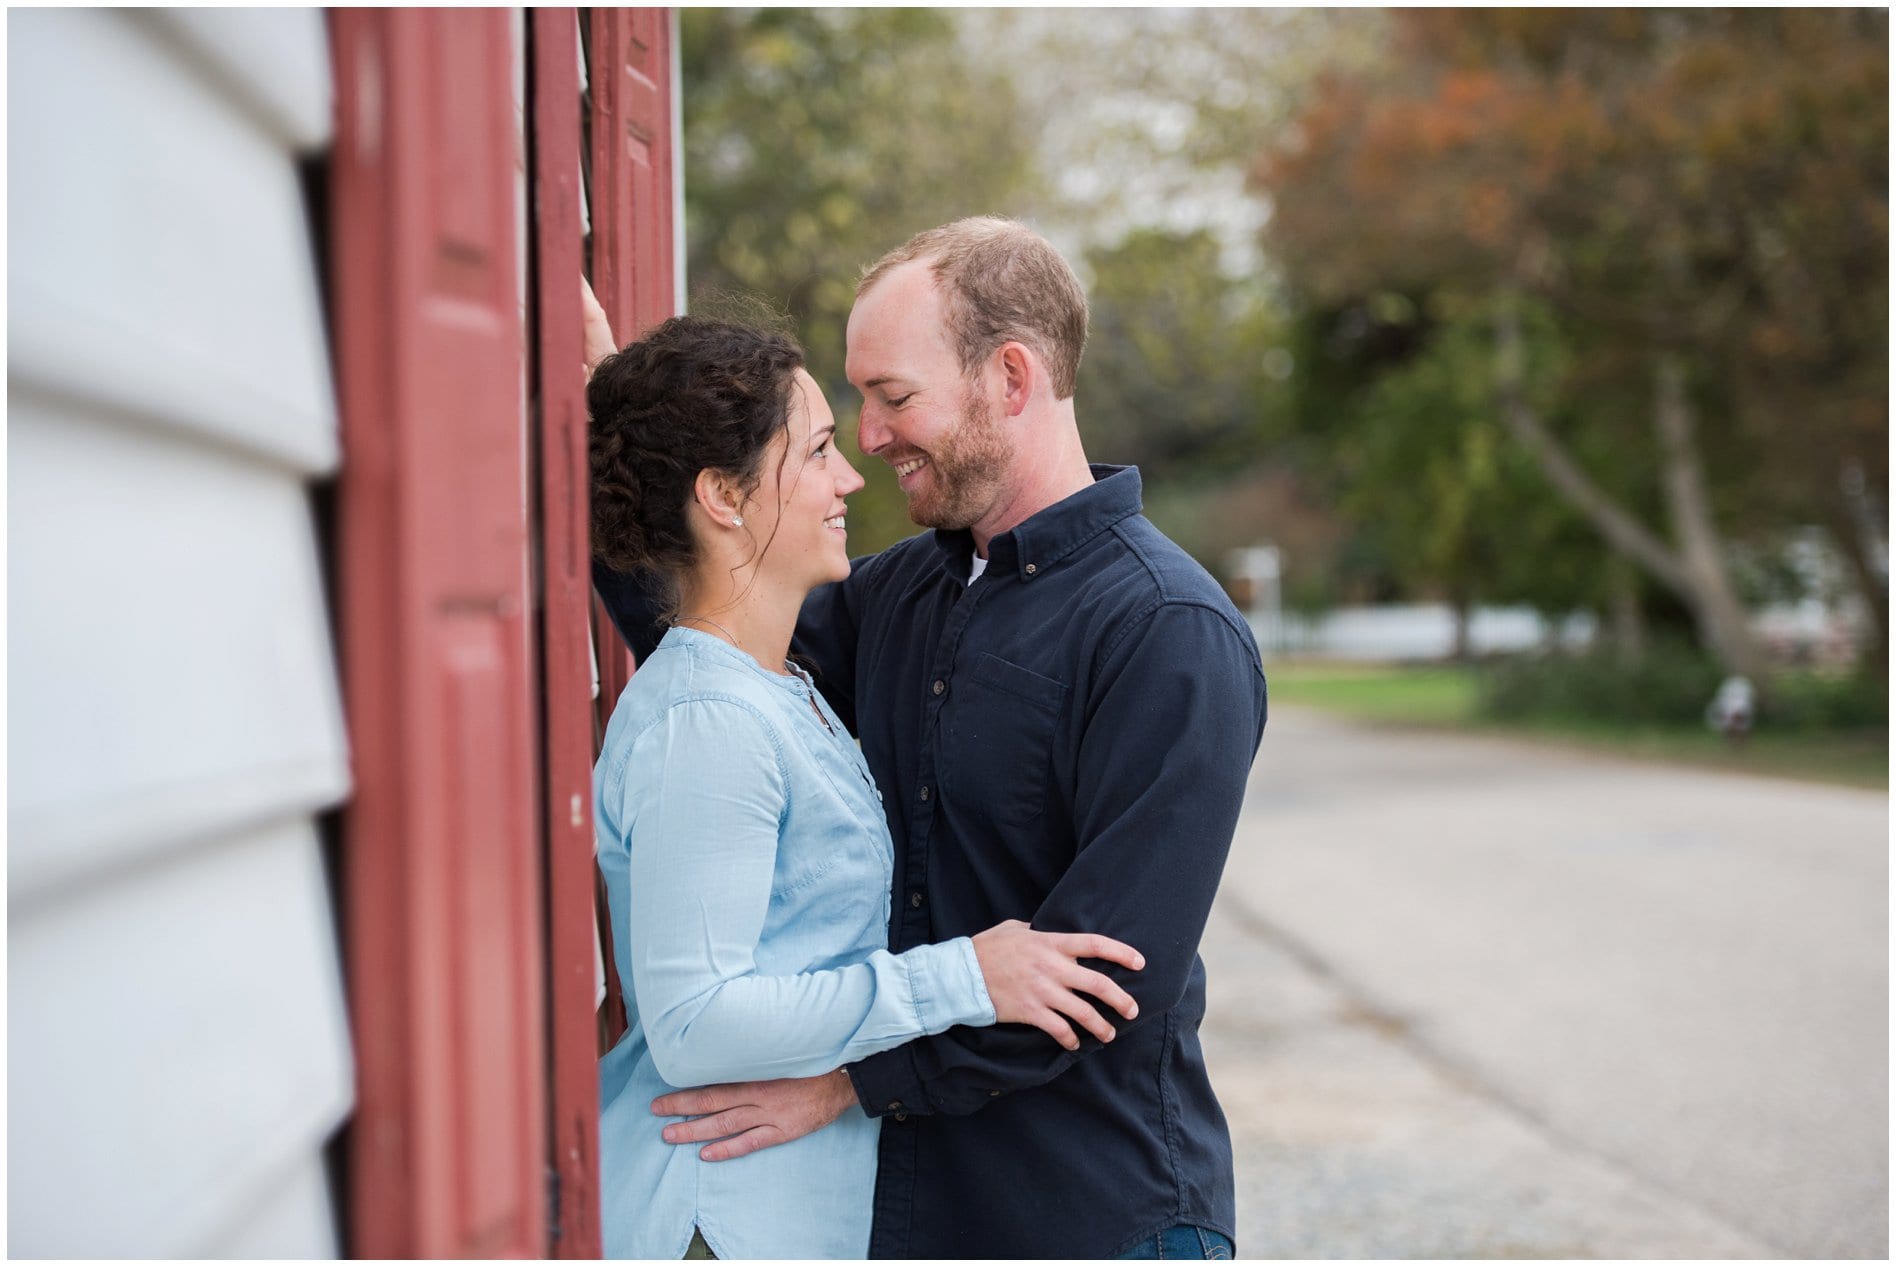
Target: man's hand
{"x":743,"y":1117}
{"x":598,"y":330}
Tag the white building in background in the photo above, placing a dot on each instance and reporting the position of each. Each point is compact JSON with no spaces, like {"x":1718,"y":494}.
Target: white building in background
{"x":1417,"y":631}
{"x":1826,"y":625}
{"x":178,"y":1053}
{"x":1384,"y":631}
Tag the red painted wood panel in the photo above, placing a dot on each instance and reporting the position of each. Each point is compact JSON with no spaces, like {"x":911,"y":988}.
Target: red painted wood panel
{"x":441,"y":859}
{"x":634,"y":272}
{"x":566,"y":604}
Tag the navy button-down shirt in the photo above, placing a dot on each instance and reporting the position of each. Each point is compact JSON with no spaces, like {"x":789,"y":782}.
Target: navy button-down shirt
{"x":1065,"y":741}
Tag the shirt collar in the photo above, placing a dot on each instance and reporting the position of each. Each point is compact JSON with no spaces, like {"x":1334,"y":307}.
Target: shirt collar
{"x":698,"y":642}
{"x":1030,"y":548}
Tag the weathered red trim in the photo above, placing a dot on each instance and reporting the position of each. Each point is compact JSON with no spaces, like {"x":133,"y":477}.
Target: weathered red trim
{"x":633,"y":268}
{"x":566,"y":609}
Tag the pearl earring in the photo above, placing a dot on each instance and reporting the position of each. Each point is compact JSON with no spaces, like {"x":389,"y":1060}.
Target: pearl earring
{"x":737,"y":520}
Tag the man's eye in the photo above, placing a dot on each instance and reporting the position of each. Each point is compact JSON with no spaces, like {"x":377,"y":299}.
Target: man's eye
{"x":897,"y":402}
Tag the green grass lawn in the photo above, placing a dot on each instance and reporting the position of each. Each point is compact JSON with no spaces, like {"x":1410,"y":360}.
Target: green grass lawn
{"x":1446,"y":697}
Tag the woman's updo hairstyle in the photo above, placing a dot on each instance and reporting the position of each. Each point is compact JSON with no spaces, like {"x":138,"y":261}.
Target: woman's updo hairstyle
{"x":695,"y":393}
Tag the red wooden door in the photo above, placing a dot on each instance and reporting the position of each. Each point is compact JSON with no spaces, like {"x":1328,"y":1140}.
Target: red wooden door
{"x":442,"y":881}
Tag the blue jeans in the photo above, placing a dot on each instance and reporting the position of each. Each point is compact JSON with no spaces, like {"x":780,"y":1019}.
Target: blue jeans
{"x":1184,"y":1241}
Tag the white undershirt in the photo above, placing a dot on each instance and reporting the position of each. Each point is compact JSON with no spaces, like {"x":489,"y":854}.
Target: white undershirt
{"x":976,"y":566}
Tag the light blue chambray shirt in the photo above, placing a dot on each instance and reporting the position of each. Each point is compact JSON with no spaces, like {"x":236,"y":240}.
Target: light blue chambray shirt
{"x":747,"y":866}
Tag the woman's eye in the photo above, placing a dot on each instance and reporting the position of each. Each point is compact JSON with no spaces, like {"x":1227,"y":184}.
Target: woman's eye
{"x":822,"y":450}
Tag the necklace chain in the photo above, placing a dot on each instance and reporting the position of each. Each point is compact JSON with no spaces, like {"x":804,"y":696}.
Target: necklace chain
{"x":808,"y":689}
{"x":706,"y":620}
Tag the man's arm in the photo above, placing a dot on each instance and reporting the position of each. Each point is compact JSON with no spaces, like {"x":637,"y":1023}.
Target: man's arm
{"x":1179,"y":710}
{"x":826,"y":635}
{"x":632,"y":600}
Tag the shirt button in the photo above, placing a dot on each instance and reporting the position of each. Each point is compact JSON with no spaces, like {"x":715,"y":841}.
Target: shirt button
{"x":895,"y":1106}
{"x":940,"y":686}
{"x":1031,"y":569}
{"x":915,"y":899}
{"x":924,"y":793}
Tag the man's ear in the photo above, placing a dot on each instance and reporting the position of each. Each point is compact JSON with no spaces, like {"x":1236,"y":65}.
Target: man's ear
{"x":718,"y":496}
{"x":1020,"y":375}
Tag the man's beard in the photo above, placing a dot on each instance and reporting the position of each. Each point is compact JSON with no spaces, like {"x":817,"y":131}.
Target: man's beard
{"x":964,"y":472}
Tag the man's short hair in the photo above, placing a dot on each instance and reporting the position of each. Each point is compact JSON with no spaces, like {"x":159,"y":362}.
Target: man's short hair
{"x":1000,"y":282}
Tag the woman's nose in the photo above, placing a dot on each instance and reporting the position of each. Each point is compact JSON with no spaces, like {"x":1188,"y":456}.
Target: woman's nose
{"x":849,"y":479}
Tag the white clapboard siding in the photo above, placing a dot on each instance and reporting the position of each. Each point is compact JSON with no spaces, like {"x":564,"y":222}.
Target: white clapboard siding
{"x":176,"y":1044}
{"x":178,"y":1052}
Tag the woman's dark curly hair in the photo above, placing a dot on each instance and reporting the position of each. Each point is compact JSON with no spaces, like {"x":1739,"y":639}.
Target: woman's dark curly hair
{"x":694,"y":394}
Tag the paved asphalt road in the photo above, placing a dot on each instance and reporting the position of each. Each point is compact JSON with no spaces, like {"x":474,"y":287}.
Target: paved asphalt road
{"x":1479,"y":999}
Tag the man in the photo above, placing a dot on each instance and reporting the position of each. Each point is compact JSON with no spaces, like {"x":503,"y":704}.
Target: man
{"x":1060,"y":708}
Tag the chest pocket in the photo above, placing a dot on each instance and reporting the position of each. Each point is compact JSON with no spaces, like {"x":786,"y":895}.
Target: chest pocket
{"x":998,"y":755}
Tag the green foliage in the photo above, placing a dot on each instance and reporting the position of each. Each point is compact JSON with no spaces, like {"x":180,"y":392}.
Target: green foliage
{"x":1175,"y":376}
{"x":1826,"y":701}
{"x":1706,"y":184}
{"x":1456,"y":507}
{"x":1668,"y":685}
{"x":816,"y":140}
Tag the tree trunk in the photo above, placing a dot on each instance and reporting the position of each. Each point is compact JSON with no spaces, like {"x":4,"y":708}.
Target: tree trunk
{"x":1693,"y":566}
{"x":1461,"y":604}
{"x":1724,"y":625}
{"x":1853,"y":525}
{"x":1629,"y":617}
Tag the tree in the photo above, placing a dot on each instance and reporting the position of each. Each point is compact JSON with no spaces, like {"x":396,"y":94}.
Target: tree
{"x":815,"y":140}
{"x":1699,"y":199}
{"x":1176,"y":375}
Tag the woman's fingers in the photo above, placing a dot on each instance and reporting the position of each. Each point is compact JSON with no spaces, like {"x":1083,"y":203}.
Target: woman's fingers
{"x":1094,"y":946}
{"x":1085,"y":1014}
{"x":1103,"y":988}
{"x":1062,"y":1033}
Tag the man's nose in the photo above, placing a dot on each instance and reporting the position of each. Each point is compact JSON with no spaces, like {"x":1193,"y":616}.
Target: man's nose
{"x":871,"y":436}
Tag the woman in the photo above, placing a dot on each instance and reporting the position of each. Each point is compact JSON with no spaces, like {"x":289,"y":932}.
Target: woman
{"x":746,"y":856}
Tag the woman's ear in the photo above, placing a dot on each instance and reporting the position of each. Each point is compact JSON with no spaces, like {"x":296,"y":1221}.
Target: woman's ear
{"x":719,"y":498}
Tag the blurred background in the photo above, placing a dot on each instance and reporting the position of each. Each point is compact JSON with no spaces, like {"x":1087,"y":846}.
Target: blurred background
{"x":1523,"y":374}
{"x":1543,"y":348}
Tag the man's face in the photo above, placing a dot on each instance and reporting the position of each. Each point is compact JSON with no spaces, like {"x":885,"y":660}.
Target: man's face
{"x":947,"y":441}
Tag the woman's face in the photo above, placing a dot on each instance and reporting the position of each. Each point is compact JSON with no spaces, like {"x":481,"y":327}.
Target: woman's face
{"x":807,"y":543}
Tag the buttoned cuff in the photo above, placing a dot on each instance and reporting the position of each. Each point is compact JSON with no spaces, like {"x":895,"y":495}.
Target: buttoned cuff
{"x":886,"y":1083}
